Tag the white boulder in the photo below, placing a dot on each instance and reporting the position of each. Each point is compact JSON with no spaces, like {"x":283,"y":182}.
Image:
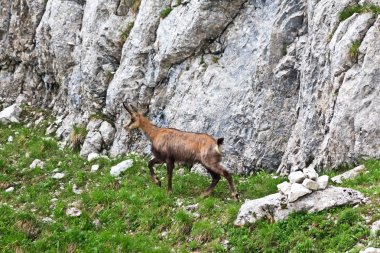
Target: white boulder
{"x":348,"y":174}
{"x":284,"y":187}
{"x":107,"y":132}
{"x":10,"y":114}
{"x":121,"y":167}
{"x":322,"y":181}
{"x":310,"y":184}
{"x":94,"y":167}
{"x":371,"y":250}
{"x":92,"y":156}
{"x":297,"y":191}
{"x":10,"y":189}
{"x":310,"y":173}
{"x":270,"y":206}
{"x":296,"y":177}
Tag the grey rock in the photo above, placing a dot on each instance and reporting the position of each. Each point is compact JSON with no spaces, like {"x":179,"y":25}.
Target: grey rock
{"x":37,"y":163}
{"x":284,"y":187}
{"x":310,"y":173}
{"x":375,"y":228}
{"x":92,"y":143}
{"x":370,"y":250}
{"x":95,"y":167}
{"x":351,"y":174}
{"x":322,"y":181}
{"x":120,"y":167}
{"x":107,"y":132}
{"x":10,"y":139}
{"x":10,"y":189}
{"x":269,"y":206}
{"x":73,"y":212}
{"x":93,"y":156}
{"x":58,"y":175}
{"x":10,"y":114}
{"x":297,"y":191}
{"x":296,"y":177}
{"x":310,"y":184}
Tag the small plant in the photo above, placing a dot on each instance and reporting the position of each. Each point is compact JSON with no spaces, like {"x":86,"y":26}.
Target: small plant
{"x":109,"y":75}
{"x":354,"y":50}
{"x":124,"y":34}
{"x":134,"y":5}
{"x":215,"y":59}
{"x":165,"y":12}
{"x":351,"y":10}
{"x":284,"y":49}
{"x":77,"y":136}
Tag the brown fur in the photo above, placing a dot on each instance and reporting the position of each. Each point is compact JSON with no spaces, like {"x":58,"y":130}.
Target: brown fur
{"x":171,"y":145}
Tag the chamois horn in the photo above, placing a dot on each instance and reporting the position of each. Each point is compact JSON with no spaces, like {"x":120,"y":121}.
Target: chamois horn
{"x":128,"y":108}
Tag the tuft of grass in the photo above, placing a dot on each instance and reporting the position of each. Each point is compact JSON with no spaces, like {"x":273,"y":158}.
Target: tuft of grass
{"x":124,"y":34}
{"x":353,"y":51}
{"x":351,"y":10}
{"x":165,"y":12}
{"x":215,"y":59}
{"x":134,"y":5}
{"x":77,"y":136}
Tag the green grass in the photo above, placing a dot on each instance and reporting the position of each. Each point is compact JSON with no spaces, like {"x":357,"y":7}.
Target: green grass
{"x":124,"y":34}
{"x":131,"y":214}
{"x":353,"y":52}
{"x":351,"y":10}
{"x":165,"y":12}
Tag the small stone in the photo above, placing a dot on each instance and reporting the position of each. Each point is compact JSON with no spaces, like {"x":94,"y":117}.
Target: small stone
{"x":55,"y":170}
{"x":310,"y":173}
{"x":191,"y":207}
{"x":76,"y":190}
{"x":10,"y":139}
{"x":284,"y":187}
{"x":375,"y":228}
{"x":121,"y":167}
{"x":47,"y":220}
{"x":93,"y":156}
{"x":296,"y":177}
{"x":73,"y":212}
{"x":10,"y":189}
{"x":310,"y":184}
{"x":58,"y":175}
{"x":96,"y":223}
{"x":322,"y":181}
{"x":95,"y":168}
{"x":37,"y":163}
{"x":297,"y":191}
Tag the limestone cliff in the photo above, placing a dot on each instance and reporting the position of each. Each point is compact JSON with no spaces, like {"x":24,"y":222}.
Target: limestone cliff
{"x":278,"y":79}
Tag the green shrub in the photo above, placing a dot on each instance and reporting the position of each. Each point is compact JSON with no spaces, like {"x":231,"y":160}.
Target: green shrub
{"x":124,"y":34}
{"x":351,"y":10}
{"x":354,"y":50}
{"x":77,"y":136}
{"x":165,"y":12}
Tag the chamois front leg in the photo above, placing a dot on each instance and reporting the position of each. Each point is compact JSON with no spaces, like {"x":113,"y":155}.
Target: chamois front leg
{"x":170,"y":167}
{"x":152,"y":174}
{"x":214,"y":182}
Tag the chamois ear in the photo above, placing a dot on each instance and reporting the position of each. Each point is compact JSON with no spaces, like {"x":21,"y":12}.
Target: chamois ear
{"x":128,"y":108}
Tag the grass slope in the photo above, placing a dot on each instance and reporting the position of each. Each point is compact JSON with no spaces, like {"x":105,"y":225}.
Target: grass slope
{"x":131,"y":214}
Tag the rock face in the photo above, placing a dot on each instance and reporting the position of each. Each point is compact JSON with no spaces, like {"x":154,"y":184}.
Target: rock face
{"x":348,"y":174}
{"x":274,"y":78}
{"x":270,"y":206}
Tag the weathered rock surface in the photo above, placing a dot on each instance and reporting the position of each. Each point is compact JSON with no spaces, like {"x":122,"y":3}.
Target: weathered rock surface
{"x":322,"y":181}
{"x":351,"y":174}
{"x":296,"y":177}
{"x":375,"y":228}
{"x":297,"y":191}
{"x":370,"y":250}
{"x":273,"y":77}
{"x":270,"y":206}
{"x":10,"y":114}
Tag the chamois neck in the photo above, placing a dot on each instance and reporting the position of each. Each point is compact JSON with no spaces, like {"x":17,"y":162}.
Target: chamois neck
{"x":148,"y":128}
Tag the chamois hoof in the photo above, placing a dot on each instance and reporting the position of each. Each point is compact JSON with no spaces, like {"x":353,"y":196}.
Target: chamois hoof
{"x":205,"y":194}
{"x":235,"y":196}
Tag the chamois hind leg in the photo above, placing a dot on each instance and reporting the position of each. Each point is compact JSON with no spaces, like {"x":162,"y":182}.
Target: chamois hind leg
{"x":153,"y":175}
{"x":223,"y":172}
{"x":170,"y":167}
{"x":214,"y":182}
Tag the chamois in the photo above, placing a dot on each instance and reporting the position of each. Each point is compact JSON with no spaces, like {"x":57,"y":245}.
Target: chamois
{"x":171,"y":145}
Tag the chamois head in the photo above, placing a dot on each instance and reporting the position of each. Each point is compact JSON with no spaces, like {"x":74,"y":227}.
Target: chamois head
{"x":135,"y":121}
